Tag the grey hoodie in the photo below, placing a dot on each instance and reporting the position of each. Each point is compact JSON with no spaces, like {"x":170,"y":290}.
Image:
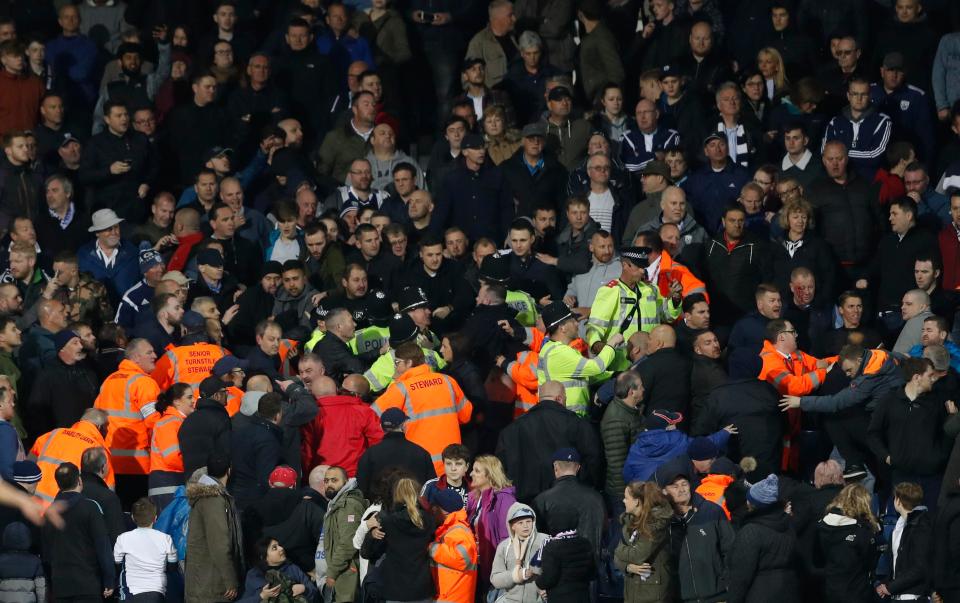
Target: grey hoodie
{"x":504,"y":574}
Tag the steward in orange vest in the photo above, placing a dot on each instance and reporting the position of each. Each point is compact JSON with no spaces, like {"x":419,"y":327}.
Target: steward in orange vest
{"x":166,"y":460}
{"x":668,"y":271}
{"x":793,"y":373}
{"x":129,"y":397}
{"x":453,"y":553}
{"x":231,"y":370}
{"x":67,"y":445}
{"x":192,"y":360}
{"x":434,"y":403}
{"x":523,"y":372}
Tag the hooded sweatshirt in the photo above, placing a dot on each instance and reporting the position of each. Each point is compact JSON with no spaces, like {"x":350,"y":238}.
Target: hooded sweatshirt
{"x":516,"y":580}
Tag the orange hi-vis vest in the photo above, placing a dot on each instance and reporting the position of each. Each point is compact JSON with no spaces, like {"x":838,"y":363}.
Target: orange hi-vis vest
{"x":713,"y":487}
{"x":187,"y":364}
{"x":673,"y":271}
{"x":453,"y":560}
{"x":286,"y":347}
{"x":523,"y":372}
{"x":435,"y":407}
{"x":797,"y":375}
{"x":234,"y":400}
{"x":536,"y":338}
{"x":165,"y":452}
{"x":63,"y":445}
{"x":129,"y":396}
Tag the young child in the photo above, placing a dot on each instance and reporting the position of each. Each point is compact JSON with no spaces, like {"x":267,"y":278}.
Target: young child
{"x":286,"y":241}
{"x":145,"y":555}
{"x":21,"y":573}
{"x":456,"y":464}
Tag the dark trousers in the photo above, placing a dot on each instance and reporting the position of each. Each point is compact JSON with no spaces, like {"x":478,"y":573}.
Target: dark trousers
{"x":146,"y":598}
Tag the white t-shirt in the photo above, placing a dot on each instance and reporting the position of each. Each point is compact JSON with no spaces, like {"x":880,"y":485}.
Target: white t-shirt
{"x":284,"y":250}
{"x":601,"y":209}
{"x":144,"y":553}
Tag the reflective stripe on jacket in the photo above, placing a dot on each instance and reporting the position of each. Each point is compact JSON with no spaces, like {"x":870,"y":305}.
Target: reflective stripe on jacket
{"x":453,"y":557}
{"x":562,"y":363}
{"x":165,"y":452}
{"x":523,"y":372}
{"x":187,"y":364}
{"x":65,"y":446}
{"x":380,"y":374}
{"x":435,"y":407}
{"x":129,"y":396}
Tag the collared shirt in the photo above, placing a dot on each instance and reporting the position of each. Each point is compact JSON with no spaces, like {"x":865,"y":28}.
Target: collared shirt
{"x":108,"y":260}
{"x":788,"y":163}
{"x":653,"y":271}
{"x":67,"y":217}
{"x":533,"y":169}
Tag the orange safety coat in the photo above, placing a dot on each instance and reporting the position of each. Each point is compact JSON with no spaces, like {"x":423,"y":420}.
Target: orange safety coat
{"x":187,"y":364}
{"x":523,"y":372}
{"x":234,"y":399}
{"x":165,"y":452}
{"x":129,"y":396}
{"x":435,"y":407}
{"x":64,"y":445}
{"x":673,"y":271}
{"x":453,"y":559}
{"x":287,"y":346}
{"x":797,"y":375}
{"x":713,"y":488}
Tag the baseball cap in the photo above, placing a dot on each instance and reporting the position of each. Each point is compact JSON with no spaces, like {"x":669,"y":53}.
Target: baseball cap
{"x":210,"y":386}
{"x":656,"y":168}
{"x":668,"y":473}
{"x":227,"y":364}
{"x":893,"y":61}
{"x":445,"y":498}
{"x":216,"y":152}
{"x":559,"y":93}
{"x":283,"y":477}
{"x":392,"y":418}
{"x":193,"y":320}
{"x":175,"y":276}
{"x":714,"y":136}
{"x":68,"y":137}
{"x":471,"y":61}
{"x":661,"y":419}
{"x":472,"y":141}
{"x":210,"y":257}
{"x":569,"y":455}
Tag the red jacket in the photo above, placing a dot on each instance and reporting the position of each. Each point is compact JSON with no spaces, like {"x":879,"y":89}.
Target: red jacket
{"x":950,"y":252}
{"x":19,"y":101}
{"x":342,"y":431}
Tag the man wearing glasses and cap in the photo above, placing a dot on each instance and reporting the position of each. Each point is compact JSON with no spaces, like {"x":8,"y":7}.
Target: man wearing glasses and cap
{"x":629,"y":304}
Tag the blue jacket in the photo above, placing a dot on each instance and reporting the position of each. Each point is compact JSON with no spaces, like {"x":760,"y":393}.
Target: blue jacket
{"x":174,"y":521}
{"x":657,"y":446}
{"x":76,"y":59}
{"x":912,"y":116}
{"x":133,"y":301}
{"x":344,"y":51}
{"x":744,"y":345}
{"x":917,"y":352}
{"x":865,"y":388}
{"x":256,"y":581}
{"x":710,"y":192}
{"x":245,"y":176}
{"x":866,"y":142}
{"x":10,"y":449}
{"x":946,"y":71}
{"x":123,"y":275}
{"x":633,"y":150}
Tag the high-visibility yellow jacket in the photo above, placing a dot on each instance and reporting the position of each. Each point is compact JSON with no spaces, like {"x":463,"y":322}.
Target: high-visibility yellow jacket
{"x":560,"y":362}
{"x":615,"y":303}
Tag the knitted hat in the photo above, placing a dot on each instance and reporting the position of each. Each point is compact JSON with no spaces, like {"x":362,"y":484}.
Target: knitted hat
{"x":765,"y":492}
{"x":62,"y":338}
{"x":271,"y":267}
{"x":26,"y":472}
{"x":446,"y":499}
{"x":702,"y":449}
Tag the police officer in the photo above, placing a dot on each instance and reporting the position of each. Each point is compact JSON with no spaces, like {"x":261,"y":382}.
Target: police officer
{"x":402,"y":330}
{"x":413,"y":302}
{"x":375,"y":335}
{"x":495,"y":268}
{"x":560,"y":362}
{"x":630,"y":304}
{"x":909,"y":107}
{"x":318,"y":317}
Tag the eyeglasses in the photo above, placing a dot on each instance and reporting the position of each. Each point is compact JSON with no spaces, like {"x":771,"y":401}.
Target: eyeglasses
{"x":788,"y":191}
{"x":791,"y":331}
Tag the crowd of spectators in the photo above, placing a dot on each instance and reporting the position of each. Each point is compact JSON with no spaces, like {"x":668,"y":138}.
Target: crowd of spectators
{"x":461,"y":301}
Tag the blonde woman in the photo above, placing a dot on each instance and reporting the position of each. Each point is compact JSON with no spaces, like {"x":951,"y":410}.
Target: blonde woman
{"x":643,"y":554}
{"x":799,"y":246}
{"x":488,"y":505}
{"x":848,"y":545}
{"x":408,"y":531}
{"x":770,"y":64}
{"x":502,"y":142}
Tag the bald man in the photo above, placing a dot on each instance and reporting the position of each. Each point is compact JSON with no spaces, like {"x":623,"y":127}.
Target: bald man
{"x":259,"y":383}
{"x":527,"y":445}
{"x":914,"y":309}
{"x":357,"y":385}
{"x":665,"y":373}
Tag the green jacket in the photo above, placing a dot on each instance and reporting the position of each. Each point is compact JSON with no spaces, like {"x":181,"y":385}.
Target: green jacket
{"x":339,"y":526}
{"x":637,"y":549}
{"x":560,"y":362}
{"x":339,"y":148}
{"x":9,"y":368}
{"x":484,"y":45}
{"x":599,"y":61}
{"x":618,"y":430}
{"x":214,"y":559}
